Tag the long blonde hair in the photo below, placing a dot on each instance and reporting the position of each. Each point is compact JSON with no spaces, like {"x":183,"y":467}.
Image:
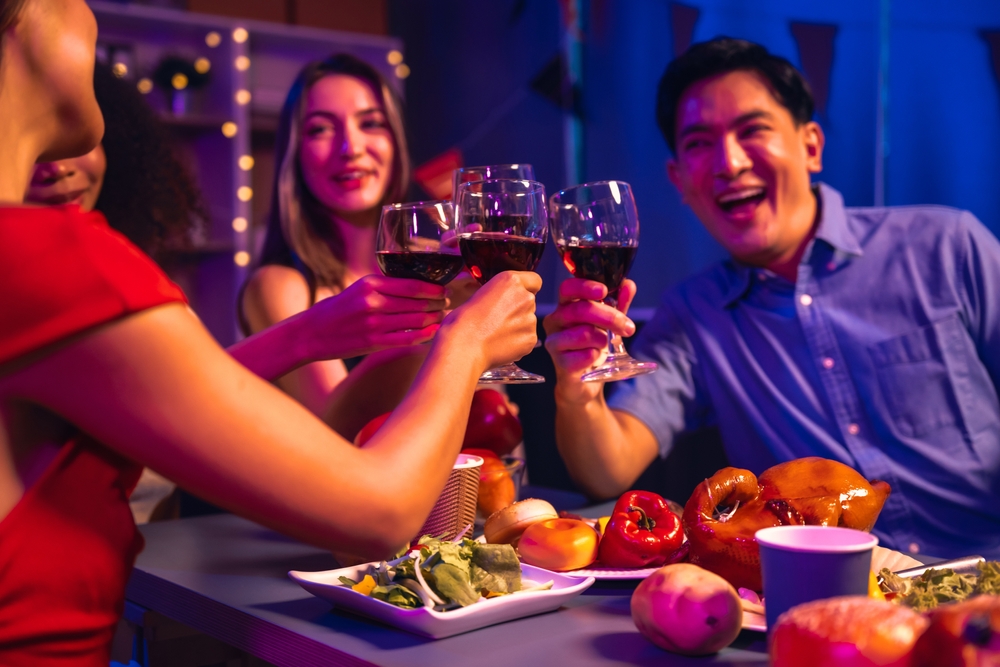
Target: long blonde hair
{"x":299,"y":232}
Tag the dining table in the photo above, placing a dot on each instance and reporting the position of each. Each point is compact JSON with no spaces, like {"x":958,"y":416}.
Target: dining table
{"x":226,"y":577}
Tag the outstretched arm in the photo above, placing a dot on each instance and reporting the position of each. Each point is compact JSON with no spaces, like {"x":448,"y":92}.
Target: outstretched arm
{"x":604,"y":450}
{"x":155,"y":387}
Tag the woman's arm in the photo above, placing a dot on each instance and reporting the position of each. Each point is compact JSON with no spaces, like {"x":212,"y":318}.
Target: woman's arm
{"x":302,"y":345}
{"x":155,"y":387}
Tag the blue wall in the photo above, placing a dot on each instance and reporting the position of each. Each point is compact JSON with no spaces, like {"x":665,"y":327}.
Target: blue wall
{"x":471,"y":60}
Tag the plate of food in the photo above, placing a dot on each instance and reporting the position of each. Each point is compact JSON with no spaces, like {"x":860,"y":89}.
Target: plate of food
{"x":443,"y":588}
{"x":571,"y":544}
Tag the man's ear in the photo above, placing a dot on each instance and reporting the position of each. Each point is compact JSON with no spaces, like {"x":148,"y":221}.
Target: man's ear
{"x":814,"y":139}
{"x":674,"y":177}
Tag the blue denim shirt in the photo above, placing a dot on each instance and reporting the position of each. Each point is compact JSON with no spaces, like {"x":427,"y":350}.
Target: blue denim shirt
{"x":884,"y":355}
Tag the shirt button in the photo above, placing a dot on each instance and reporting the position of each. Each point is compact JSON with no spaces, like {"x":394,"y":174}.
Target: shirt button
{"x":827,"y":363}
{"x":831,"y":266}
{"x":853,"y":429}
{"x":805,"y":300}
{"x":914,"y":548}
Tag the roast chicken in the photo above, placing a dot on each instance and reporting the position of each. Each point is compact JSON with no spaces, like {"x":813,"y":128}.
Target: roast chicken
{"x":725,"y":511}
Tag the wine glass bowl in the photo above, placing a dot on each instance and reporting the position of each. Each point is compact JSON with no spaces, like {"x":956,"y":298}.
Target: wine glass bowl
{"x":502,"y":225}
{"x":520,"y":171}
{"x":595,"y":227}
{"x":417,"y":240}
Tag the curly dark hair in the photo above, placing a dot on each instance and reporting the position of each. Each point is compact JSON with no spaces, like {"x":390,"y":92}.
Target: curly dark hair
{"x":721,"y":56}
{"x":148,"y":195}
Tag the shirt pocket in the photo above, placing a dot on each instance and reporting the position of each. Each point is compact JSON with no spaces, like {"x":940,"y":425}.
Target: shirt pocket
{"x":915,"y":377}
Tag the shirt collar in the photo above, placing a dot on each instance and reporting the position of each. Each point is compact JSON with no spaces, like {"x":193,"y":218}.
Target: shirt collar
{"x":833,"y":229}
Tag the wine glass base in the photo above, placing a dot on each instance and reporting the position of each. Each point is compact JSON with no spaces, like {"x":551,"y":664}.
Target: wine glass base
{"x":618,"y":367}
{"x":509,"y":374}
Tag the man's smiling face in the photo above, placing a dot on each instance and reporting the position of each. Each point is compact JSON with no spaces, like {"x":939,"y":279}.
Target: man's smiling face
{"x":743,"y":166}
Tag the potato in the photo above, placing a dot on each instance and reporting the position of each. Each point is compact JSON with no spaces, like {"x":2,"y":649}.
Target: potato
{"x":685,"y":609}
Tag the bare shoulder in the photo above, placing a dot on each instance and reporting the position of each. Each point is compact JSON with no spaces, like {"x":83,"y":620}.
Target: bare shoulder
{"x":274,"y":293}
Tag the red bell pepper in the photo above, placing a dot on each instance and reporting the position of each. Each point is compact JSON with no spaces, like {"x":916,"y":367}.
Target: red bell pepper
{"x":642,"y":532}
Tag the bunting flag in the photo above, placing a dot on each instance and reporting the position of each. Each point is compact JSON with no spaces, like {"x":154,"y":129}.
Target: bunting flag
{"x":815,"y":42}
{"x":992,"y":38}
{"x":434,"y":176}
{"x":553,"y":83}
{"x":682,"y":21}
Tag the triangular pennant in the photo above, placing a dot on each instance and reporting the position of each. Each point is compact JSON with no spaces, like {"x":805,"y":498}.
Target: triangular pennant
{"x":815,"y":42}
{"x":682,"y":21}
{"x":434,"y":176}
{"x":553,"y":83}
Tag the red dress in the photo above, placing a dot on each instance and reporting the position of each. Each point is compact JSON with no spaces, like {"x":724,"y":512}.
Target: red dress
{"x":68,"y":546}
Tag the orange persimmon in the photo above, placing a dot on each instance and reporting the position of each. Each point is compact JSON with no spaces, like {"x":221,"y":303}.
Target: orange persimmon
{"x":559,"y":544}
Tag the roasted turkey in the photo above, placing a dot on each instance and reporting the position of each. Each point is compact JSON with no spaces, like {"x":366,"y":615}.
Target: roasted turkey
{"x":725,"y":511}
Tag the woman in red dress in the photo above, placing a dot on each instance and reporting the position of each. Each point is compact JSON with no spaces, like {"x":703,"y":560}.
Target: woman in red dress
{"x":103,"y":369}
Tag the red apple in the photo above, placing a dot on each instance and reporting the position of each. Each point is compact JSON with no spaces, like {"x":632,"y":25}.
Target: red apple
{"x":492,"y":425}
{"x":369,"y":429}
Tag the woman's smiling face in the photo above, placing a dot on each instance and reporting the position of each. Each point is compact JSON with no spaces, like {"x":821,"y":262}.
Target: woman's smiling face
{"x":346,"y":148}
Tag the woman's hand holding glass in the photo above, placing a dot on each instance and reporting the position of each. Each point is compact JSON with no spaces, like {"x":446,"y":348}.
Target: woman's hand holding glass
{"x":502,"y":226}
{"x":374,"y":313}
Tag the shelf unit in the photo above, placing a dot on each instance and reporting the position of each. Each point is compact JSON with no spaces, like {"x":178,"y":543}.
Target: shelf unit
{"x":252,"y":66}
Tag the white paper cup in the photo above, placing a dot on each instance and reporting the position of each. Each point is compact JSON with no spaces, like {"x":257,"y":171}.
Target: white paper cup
{"x":804,"y":563}
{"x":456,"y":506}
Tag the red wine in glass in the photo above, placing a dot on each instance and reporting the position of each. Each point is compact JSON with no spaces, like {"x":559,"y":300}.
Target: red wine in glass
{"x":488,"y":253}
{"x":604,"y":262}
{"x":432,"y":267}
{"x":502,"y":226}
{"x":596,"y":229}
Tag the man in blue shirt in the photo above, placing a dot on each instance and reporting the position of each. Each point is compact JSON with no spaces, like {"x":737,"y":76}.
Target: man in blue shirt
{"x":869,"y":336}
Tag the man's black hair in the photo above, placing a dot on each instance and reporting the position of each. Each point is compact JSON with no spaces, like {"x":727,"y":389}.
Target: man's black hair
{"x":721,"y":56}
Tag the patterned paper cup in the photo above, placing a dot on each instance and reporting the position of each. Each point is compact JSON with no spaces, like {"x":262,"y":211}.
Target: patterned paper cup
{"x":456,"y":506}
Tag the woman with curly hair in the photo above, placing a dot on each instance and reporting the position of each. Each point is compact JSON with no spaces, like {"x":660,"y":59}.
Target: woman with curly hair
{"x":133,"y":176}
{"x":135,"y":179}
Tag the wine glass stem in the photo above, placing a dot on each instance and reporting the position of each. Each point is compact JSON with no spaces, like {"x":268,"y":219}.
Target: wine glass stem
{"x":616,"y":346}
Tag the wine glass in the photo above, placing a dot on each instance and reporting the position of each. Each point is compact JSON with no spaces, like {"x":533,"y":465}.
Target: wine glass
{"x":502,"y":226}
{"x":521,"y":172}
{"x":413,"y":242}
{"x":596,"y":229}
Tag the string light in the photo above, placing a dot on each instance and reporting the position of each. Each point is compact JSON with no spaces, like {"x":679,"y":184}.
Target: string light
{"x":202,"y":65}
{"x":244,"y":193}
{"x":240,"y":35}
{"x":242,"y":96}
{"x":242,"y":258}
{"x":246,"y":162}
{"x":242,"y":63}
{"x":240,"y":224}
{"x":394,"y":57}
{"x":119,"y":69}
{"x":179,"y":81}
{"x":229,"y":129}
{"x":402,"y":70}
{"x":144,"y":86}
{"x":213,"y":39}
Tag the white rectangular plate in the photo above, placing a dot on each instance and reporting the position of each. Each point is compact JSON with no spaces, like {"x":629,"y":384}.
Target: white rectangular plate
{"x":438,"y":624}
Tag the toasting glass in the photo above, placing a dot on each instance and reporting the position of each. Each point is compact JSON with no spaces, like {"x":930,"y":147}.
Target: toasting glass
{"x":502,"y":226}
{"x":416,"y":240}
{"x":520,"y":172}
{"x":596,"y":228}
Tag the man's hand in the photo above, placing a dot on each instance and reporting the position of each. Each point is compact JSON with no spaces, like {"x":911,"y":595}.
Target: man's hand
{"x":576,"y":334}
